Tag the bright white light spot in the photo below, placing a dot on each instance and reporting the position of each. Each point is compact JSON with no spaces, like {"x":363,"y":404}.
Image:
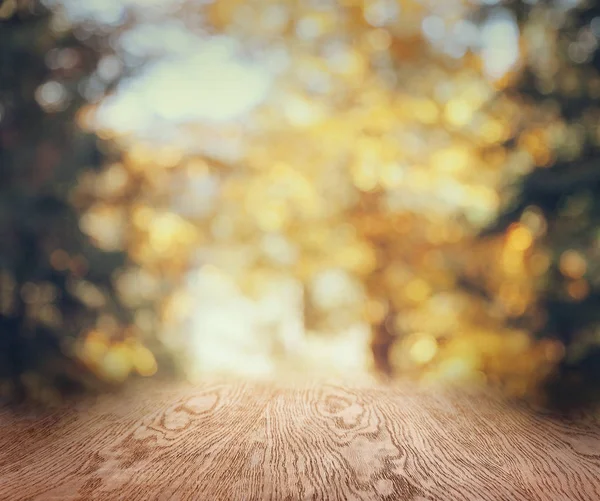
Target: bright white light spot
{"x":109,"y":68}
{"x":466,"y":33}
{"x":122,"y":114}
{"x":198,"y":197}
{"x":208,"y":88}
{"x":434,"y":27}
{"x":500,"y":40}
{"x":277,"y":59}
{"x":264,"y":338}
{"x":301,"y":112}
{"x":210,"y":85}
{"x":279,"y":249}
{"x":167,"y":37}
{"x":275,"y":17}
{"x":110,"y":12}
{"x":51,"y":95}
{"x":308,"y":28}
{"x":333,"y":288}
{"x":455,"y":50}
{"x":101,"y":11}
{"x":380,"y":12}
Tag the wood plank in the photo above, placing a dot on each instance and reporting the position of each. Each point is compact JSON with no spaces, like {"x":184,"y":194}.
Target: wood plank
{"x":224,"y":441}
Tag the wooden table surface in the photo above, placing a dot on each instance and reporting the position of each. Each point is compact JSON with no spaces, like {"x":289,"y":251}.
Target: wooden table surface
{"x":238,"y":442}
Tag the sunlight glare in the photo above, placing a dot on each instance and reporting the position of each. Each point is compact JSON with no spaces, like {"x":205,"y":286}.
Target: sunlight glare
{"x":211,"y":85}
{"x":500,"y":38}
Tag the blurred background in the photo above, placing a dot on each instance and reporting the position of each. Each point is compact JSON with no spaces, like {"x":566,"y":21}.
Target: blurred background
{"x":403,"y":189}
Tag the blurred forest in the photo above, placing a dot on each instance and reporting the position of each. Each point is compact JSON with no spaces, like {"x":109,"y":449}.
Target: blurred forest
{"x":404,"y":188}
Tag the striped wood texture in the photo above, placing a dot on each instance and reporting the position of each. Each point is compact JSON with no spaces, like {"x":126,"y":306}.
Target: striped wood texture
{"x":238,"y":442}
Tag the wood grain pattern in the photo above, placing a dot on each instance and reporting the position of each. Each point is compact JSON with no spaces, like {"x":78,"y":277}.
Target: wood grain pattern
{"x":324,"y":442}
